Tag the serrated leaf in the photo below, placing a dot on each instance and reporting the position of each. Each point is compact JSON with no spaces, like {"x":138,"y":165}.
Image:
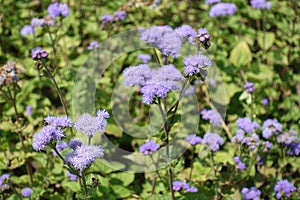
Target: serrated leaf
{"x":241,"y":54}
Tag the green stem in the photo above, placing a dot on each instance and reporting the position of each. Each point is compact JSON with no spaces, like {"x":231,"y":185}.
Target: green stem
{"x":215,"y":174}
{"x":191,"y":171}
{"x":85,"y":186}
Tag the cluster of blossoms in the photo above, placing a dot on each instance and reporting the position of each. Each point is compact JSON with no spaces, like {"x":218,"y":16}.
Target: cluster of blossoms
{"x":213,"y":116}
{"x":195,"y":65}
{"x":251,"y":193}
{"x":38,"y":53}
{"x":3,"y":182}
{"x":178,"y":185}
{"x":8,"y":73}
{"x":249,"y":86}
{"x":145,"y":58}
{"x":271,"y":127}
{"x":265,"y":101}
{"x":239,"y":163}
{"x":149,"y":147}
{"x":153,"y":83}
{"x":118,"y":15}
{"x":245,"y":134}
{"x":213,"y":140}
{"x":93,"y":45}
{"x":82,"y":155}
{"x":55,"y":9}
{"x":212,"y":1}
{"x":26,"y":192}
{"x":72,"y":177}
{"x":261,"y":4}
{"x":222,"y":9}
{"x":284,"y":188}
{"x":193,"y":139}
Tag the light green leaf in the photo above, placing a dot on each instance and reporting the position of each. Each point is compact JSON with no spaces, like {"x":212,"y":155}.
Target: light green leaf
{"x":241,"y":54}
{"x":265,"y":39}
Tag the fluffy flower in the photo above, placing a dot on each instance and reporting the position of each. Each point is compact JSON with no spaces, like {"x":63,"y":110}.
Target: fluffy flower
{"x":192,"y":189}
{"x":287,"y":137}
{"x":3,"y":179}
{"x":212,"y":1}
{"x":145,"y":58}
{"x":186,"y":31}
{"x":239,"y":163}
{"x":294,"y":149}
{"x":267,"y":146}
{"x":261,"y":4}
{"x":83,"y":156}
{"x":72,"y":177}
{"x":265,"y":101}
{"x":89,"y":124}
{"x":74,"y":143}
{"x":270,"y":127}
{"x":249,"y":86}
{"x":45,"y":136}
{"x":26,"y":192}
{"x":222,"y":9}
{"x":193,"y":139}
{"x":284,"y":188}
{"x":194,"y":64}
{"x":247,"y":125}
{"x":102,"y":114}
{"x":106,"y":18}
{"x":28,"y":110}
{"x":37,"y":22}
{"x":27,"y":30}
{"x":149,"y":147}
{"x":38,"y":53}
{"x":93,"y":45}
{"x":121,"y":15}
{"x":251,"y":193}
{"x":60,"y":121}
{"x":58,"y":9}
{"x":214,"y":141}
{"x":213,"y":116}
{"x":137,"y":75}
{"x":178,"y":185}
{"x":252,"y":141}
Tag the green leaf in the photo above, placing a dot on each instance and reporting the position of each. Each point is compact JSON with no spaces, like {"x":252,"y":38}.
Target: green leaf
{"x":241,"y":54}
{"x":121,"y":191}
{"x":125,"y":177}
{"x":265,"y":39}
{"x":105,"y":167}
{"x":72,"y":185}
{"x":159,"y":197}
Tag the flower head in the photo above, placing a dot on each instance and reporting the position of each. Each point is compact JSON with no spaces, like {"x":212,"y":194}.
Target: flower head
{"x":213,"y":140}
{"x":27,"y":30}
{"x":213,"y":116}
{"x":193,"y":139}
{"x":267,"y":146}
{"x":186,"y":31}
{"x":212,"y":1}
{"x":120,"y":15}
{"x":270,"y":127}
{"x":247,"y":124}
{"x":9,"y":73}
{"x":222,"y":9}
{"x":149,"y":147}
{"x":106,"y":18}
{"x":83,"y":156}
{"x":284,"y":188}
{"x":38,"y":53}
{"x":195,"y":64}
{"x":251,"y":140}
{"x":287,"y":137}
{"x":74,"y":143}
{"x":28,"y":110}
{"x":59,"y":121}
{"x":72,"y":177}
{"x":3,"y":182}
{"x":89,"y":124}
{"x":145,"y":58}
{"x":251,"y":193}
{"x":58,"y":9}
{"x":178,"y":185}
{"x":261,"y":4}
{"x":249,"y":86}
{"x":26,"y":192}
{"x":265,"y":101}
{"x":294,"y":149}
{"x":137,"y":75}
{"x":37,"y":22}
{"x":93,"y":45}
{"x":239,"y":163}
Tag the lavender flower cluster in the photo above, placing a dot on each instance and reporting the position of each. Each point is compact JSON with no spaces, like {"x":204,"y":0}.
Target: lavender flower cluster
{"x":149,"y":147}
{"x":222,"y":9}
{"x":179,"y":185}
{"x":213,"y":116}
{"x":55,"y":9}
{"x":118,"y":15}
{"x":261,"y":4}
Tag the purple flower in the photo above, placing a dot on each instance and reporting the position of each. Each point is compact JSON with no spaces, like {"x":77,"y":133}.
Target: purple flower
{"x":89,"y":124}
{"x":59,"y":147}
{"x":83,"y":156}
{"x":186,"y":31}
{"x":74,"y":143}
{"x":72,"y":177}
{"x":239,"y":163}
{"x":261,"y":4}
{"x":192,"y":189}
{"x":267,"y":146}
{"x":106,"y":18}
{"x":145,"y":58}
{"x":45,"y":136}
{"x":93,"y":45}
{"x":251,"y":141}
{"x":121,"y":15}
{"x":222,"y":9}
{"x":36,"y":22}
{"x":284,"y":188}
{"x":265,"y":101}
{"x":56,"y":9}
{"x":294,"y":149}
{"x":212,"y":1}
{"x":155,"y":3}
{"x":137,"y":75}
{"x":27,"y":30}
{"x":60,"y":121}
{"x":154,"y":34}
{"x":195,"y":64}
{"x":251,"y":194}
{"x":38,"y":53}
{"x":287,"y":137}
{"x":213,"y":116}
{"x":3,"y":179}
{"x":204,"y":37}
{"x":178,"y":185}
{"x":26,"y":192}
{"x":270,"y":127}
{"x":249,"y":86}
{"x":102,"y":114}
{"x":28,"y":110}
{"x":213,"y":140}
{"x":193,"y":139}
{"x":149,"y":147}
{"x":247,"y":125}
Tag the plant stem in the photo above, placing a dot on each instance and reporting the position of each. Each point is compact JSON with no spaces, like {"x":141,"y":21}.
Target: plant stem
{"x":85,"y":186}
{"x":153,"y":184}
{"x":215,"y":174}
